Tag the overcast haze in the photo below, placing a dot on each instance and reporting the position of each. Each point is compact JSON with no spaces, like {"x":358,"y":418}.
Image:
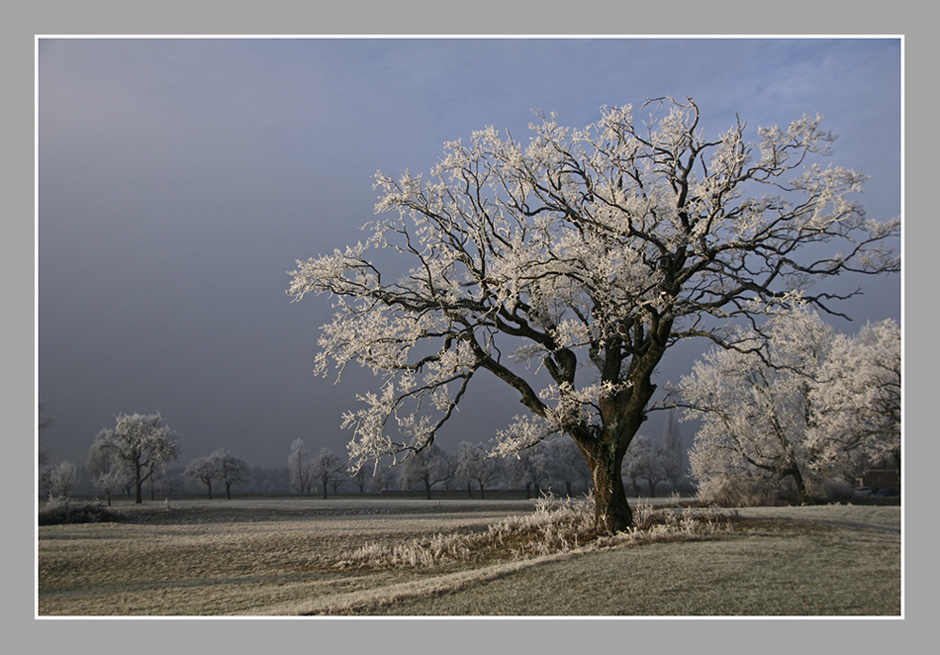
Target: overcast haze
{"x":179,"y":180}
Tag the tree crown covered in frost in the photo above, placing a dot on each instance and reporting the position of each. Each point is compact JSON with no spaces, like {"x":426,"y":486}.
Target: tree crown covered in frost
{"x":586,"y":252}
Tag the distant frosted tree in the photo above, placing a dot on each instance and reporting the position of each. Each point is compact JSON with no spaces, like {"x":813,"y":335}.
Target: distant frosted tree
{"x":648,"y":459}
{"x":328,"y":469}
{"x":474,"y":464}
{"x":301,"y":467}
{"x":62,"y":478}
{"x":232,"y":470}
{"x":105,"y":472}
{"x":531,"y":468}
{"x":203,"y":470}
{"x":857,"y":402}
{"x":429,"y":467}
{"x":567,"y":464}
{"x":361,"y":477}
{"x":803,"y":404}
{"x":139,"y":444}
{"x":754,"y":403}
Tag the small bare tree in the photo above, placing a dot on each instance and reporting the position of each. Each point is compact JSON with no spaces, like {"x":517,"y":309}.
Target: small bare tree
{"x":232,"y":470}
{"x":328,"y":469}
{"x":204,"y":470}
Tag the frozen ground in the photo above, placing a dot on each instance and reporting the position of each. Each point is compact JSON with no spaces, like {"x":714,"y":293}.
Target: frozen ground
{"x":284,"y":557}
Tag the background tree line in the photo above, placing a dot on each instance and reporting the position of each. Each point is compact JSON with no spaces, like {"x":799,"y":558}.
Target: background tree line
{"x":798,"y":411}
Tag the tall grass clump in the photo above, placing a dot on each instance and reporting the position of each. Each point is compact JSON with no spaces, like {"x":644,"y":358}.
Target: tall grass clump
{"x":553,"y":527}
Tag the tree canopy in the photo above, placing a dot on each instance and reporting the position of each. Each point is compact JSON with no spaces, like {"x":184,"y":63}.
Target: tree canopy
{"x":588,"y":252}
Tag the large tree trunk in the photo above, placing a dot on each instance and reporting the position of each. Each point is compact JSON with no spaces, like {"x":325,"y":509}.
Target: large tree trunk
{"x":801,"y":495}
{"x":612,"y":513}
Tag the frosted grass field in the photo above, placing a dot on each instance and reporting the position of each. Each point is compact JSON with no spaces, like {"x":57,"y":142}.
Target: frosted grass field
{"x":288,"y":557}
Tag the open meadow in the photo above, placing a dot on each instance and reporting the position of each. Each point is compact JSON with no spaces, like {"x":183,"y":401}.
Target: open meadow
{"x":371,"y":556}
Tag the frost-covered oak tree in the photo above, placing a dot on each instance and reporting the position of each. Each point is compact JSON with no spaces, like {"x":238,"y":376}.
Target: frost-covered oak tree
{"x":590,"y":251}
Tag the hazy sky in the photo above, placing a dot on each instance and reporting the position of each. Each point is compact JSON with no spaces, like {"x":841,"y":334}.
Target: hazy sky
{"x":179,"y":180}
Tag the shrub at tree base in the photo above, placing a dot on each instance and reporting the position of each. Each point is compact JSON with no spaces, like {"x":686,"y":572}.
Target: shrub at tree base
{"x":61,"y":510}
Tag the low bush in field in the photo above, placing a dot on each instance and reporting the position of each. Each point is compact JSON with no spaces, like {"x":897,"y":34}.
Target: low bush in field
{"x":554,"y":527}
{"x":731,"y":492}
{"x":63,"y":510}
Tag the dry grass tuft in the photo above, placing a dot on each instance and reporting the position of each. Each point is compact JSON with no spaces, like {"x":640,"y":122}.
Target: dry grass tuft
{"x":554,"y":527}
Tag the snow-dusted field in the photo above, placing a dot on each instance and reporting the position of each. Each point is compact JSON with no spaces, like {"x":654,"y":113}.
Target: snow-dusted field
{"x":290,"y":557}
